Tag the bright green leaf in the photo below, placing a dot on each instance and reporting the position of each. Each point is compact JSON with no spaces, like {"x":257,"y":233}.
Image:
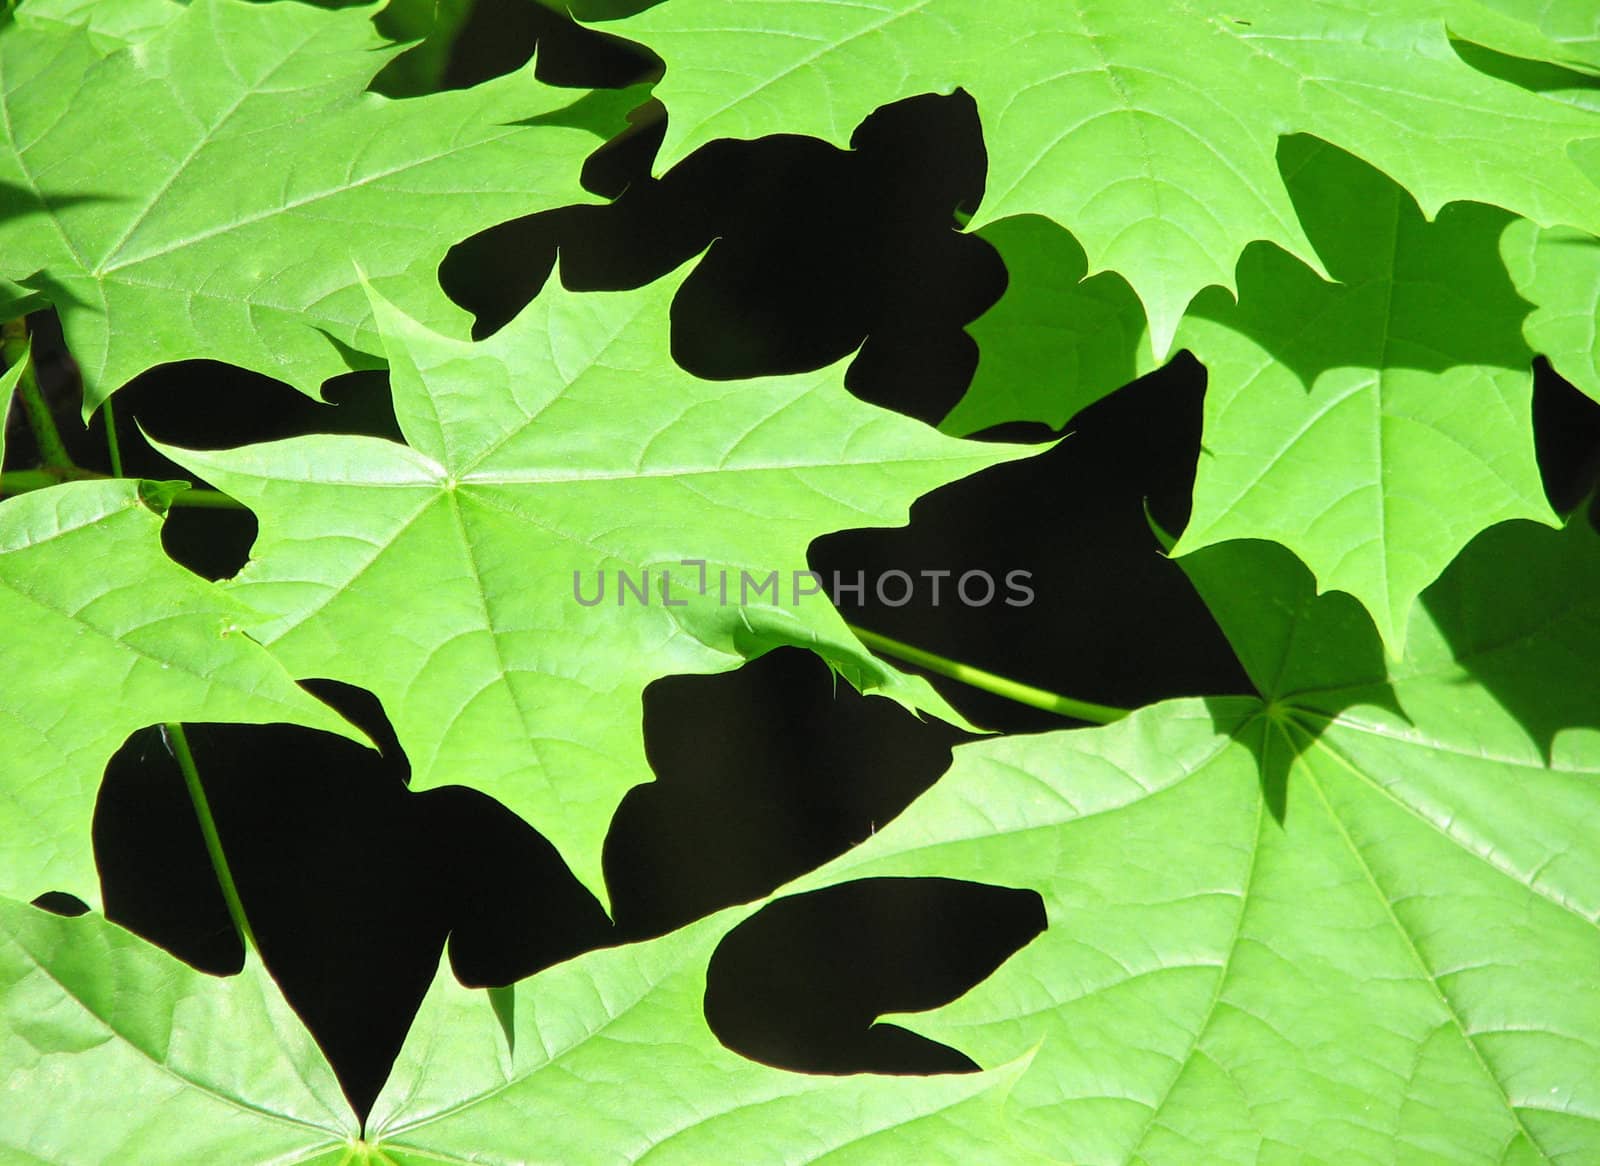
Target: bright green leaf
{"x":113,"y":1051}
{"x":8,"y":388}
{"x":16,"y":300}
{"x":1363,"y":960}
{"x":110,"y":26}
{"x":1148,"y":132}
{"x":1562,"y":32}
{"x":1528,"y":60}
{"x":1056,"y":342}
{"x":1355,"y":921}
{"x":445,"y":575}
{"x":611,"y":1061}
{"x":1373,"y":426}
{"x":104,"y":635}
{"x":1559,"y":271}
{"x":207,"y":189}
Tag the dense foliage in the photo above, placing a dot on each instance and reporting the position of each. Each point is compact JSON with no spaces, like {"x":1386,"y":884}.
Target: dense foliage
{"x":1351,"y":914}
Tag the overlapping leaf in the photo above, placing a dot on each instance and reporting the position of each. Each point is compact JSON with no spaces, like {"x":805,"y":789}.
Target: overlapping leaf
{"x":446,"y":575}
{"x":1375,"y":425}
{"x":430,"y":27}
{"x":1055,"y":342}
{"x":1149,"y":132}
{"x":1333,"y":916}
{"x":110,"y":26}
{"x":16,"y":300}
{"x":610,"y":1060}
{"x":104,"y":635}
{"x":1561,"y":32}
{"x":1559,"y":271}
{"x":204,"y":186}
{"x":617,"y":1040}
{"x":113,"y":1051}
{"x":1356,"y":917}
{"x":8,"y":388}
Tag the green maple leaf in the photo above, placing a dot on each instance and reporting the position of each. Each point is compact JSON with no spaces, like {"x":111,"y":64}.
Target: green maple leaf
{"x":1358,"y":912}
{"x":8,"y":387}
{"x":1357,"y":919}
{"x":1550,"y":47}
{"x":1558,"y":270}
{"x":620,"y":1036}
{"x":1149,"y":133}
{"x":16,"y":300}
{"x":1055,"y":342}
{"x":199,"y":187}
{"x":110,"y":26}
{"x":1559,"y":32}
{"x":610,"y":1060}
{"x":173,"y":1065}
{"x":104,"y":635}
{"x":1375,"y":425}
{"x":445,"y":575}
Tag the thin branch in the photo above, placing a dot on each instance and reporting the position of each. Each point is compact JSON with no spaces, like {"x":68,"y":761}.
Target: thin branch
{"x":14,"y":348}
{"x":178,"y":742}
{"x":113,"y":450}
{"x":1039,"y":698}
{"x":21,"y":481}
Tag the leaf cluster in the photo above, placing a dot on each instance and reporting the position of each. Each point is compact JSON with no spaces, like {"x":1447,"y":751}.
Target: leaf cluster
{"x":1352,"y":914}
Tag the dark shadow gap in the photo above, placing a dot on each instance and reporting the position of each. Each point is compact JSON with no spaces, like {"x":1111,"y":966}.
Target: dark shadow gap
{"x":351,"y":882}
{"x":762,"y":774}
{"x":1111,"y":619}
{"x":61,"y":903}
{"x":800,"y":984}
{"x":1566,"y":434}
{"x":501,"y":36}
{"x":814,"y":252}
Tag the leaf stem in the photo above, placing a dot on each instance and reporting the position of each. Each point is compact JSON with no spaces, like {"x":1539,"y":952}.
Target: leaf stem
{"x":113,"y":450}
{"x":14,"y":347}
{"x":199,"y":498}
{"x":178,"y":742}
{"x":21,"y":481}
{"x":1039,"y":698}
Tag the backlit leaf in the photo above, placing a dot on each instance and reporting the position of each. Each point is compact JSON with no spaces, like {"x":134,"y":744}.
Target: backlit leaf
{"x":206,"y":187}
{"x":1356,"y":918}
{"x":1375,"y":425}
{"x":446,"y":575}
{"x":104,"y":634}
{"x":1149,"y":132}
